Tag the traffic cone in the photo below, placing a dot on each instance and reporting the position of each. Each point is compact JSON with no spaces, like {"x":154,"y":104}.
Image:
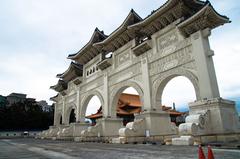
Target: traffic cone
{"x":201,"y":153}
{"x":210,"y":153}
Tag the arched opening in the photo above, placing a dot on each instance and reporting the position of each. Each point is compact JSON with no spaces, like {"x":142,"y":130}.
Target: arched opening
{"x":60,"y":122}
{"x":177,"y":92}
{"x":72,"y":117}
{"x":127,"y":102}
{"x":93,"y":109}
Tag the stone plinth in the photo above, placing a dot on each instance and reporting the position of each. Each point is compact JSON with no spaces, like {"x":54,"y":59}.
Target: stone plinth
{"x":110,"y":126}
{"x":78,"y":128}
{"x":53,"y":130}
{"x":135,"y":128}
{"x":223,"y":117}
{"x":61,"y":132}
{"x":147,"y":126}
{"x":158,"y":123}
{"x":212,"y":120}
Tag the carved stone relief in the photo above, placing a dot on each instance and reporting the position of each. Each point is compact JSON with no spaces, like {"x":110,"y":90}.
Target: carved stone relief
{"x":125,"y":74}
{"x":181,"y":57}
{"x":91,"y":85}
{"x":167,"y":40}
{"x":168,"y":45}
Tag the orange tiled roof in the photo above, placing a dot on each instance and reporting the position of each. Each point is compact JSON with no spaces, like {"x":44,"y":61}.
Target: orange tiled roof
{"x":132,"y":101}
{"x":129,"y":100}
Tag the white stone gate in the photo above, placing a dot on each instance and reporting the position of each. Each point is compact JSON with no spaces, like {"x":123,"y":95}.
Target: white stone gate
{"x":146,"y":54}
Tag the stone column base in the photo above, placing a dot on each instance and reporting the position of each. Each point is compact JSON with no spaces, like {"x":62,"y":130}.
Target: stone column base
{"x":53,"y":130}
{"x":212,"y":120}
{"x":223,"y":117}
{"x":78,"y":128}
{"x":157,"y":123}
{"x":103,"y":131}
{"x":110,"y":126}
{"x":60,"y":132}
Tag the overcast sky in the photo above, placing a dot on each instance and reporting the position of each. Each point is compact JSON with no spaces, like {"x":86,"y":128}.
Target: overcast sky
{"x":36,"y":37}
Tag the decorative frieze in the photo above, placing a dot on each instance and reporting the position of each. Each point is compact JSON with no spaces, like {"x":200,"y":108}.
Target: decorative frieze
{"x":167,"y":40}
{"x":123,"y":57}
{"x":125,"y":74}
{"x":173,"y":60}
{"x":92,"y":85}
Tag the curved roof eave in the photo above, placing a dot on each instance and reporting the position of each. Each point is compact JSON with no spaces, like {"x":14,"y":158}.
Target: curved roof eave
{"x":89,"y":44}
{"x":71,"y":66}
{"x":156,"y":13}
{"x":199,"y":13}
{"x":121,"y":28}
{"x":160,"y":11}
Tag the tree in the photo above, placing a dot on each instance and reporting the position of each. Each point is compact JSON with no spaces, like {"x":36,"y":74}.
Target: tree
{"x":25,"y":115}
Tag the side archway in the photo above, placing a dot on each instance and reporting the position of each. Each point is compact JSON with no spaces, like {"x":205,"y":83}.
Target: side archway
{"x":162,"y":80}
{"x":117,"y":91}
{"x":69,"y":112}
{"x":86,"y":100}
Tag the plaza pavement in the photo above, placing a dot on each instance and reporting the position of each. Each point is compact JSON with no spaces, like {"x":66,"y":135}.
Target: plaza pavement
{"x":47,"y":149}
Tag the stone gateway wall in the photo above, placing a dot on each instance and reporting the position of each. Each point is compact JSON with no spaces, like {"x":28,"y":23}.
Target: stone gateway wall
{"x":146,"y":54}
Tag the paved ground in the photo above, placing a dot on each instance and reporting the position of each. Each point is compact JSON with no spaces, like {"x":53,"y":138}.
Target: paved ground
{"x":43,"y":149}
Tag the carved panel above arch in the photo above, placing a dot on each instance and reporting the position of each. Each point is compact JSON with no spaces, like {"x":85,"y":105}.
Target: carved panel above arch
{"x":171,"y":61}
{"x":125,"y":74}
{"x":167,"y":40}
{"x":168,"y":44}
{"x":92,"y":85}
{"x":71,"y":99}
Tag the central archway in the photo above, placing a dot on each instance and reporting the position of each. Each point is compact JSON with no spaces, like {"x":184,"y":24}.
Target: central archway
{"x":118,"y":90}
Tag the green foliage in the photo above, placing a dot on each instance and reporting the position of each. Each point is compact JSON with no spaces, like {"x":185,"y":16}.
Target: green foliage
{"x":25,"y":115}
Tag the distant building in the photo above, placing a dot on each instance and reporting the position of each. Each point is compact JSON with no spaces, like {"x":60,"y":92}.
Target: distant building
{"x":45,"y":106}
{"x":16,"y":97}
{"x":129,"y":105}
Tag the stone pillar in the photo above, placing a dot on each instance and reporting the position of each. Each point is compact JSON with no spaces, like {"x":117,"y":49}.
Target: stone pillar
{"x":147,"y":105}
{"x":55,"y":122}
{"x":65,"y":120}
{"x":157,"y":122}
{"x":78,"y":106}
{"x":205,"y":68}
{"x":106,"y":109}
